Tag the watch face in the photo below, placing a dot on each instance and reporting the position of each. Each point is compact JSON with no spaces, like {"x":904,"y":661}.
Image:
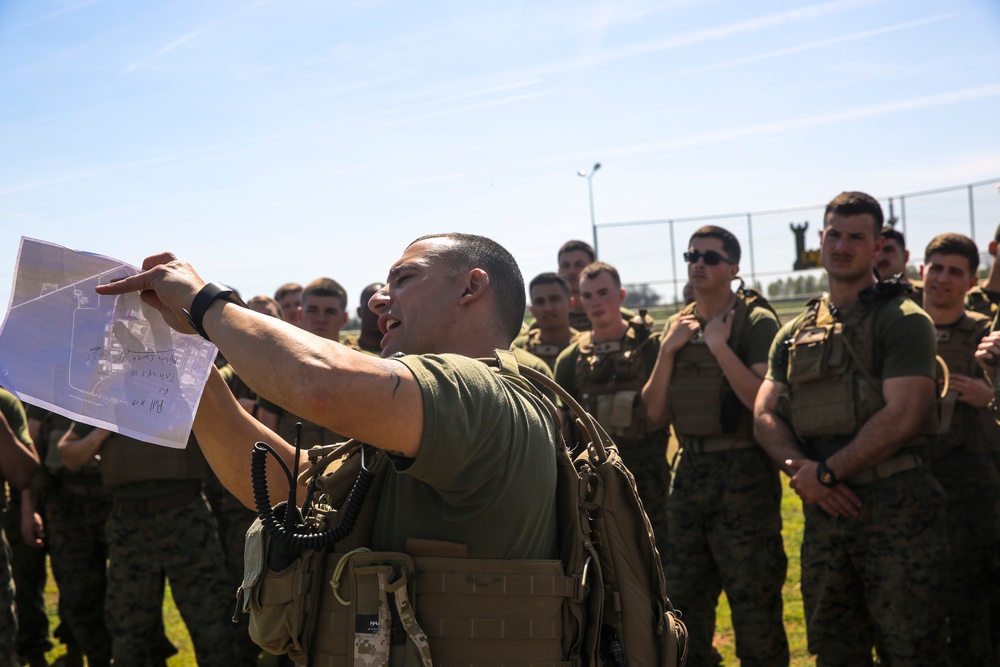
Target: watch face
{"x":826,"y":478}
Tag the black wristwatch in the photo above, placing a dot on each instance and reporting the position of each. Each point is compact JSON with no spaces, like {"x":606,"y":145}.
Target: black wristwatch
{"x":208,"y":294}
{"x":826,"y":477}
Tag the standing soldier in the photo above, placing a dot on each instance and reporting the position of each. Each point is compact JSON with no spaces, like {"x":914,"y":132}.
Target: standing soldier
{"x":289,"y":296}
{"x":849,"y":384}
{"x":573,"y":258}
{"x":960,"y":460}
{"x":549,"y":305}
{"x":724,"y":514}
{"x":160,"y":524}
{"x":18,"y":464}
{"x":323,"y":313}
{"x":605,"y":370}
{"x":984,"y":297}
{"x":76,"y":512}
{"x":369,"y":337}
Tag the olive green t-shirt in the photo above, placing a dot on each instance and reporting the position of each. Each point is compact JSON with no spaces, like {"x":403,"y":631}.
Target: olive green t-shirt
{"x":903,"y":336}
{"x":486,"y":472}
{"x":14,"y":412}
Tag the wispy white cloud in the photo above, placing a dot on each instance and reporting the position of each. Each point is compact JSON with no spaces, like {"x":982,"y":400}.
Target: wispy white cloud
{"x":56,"y":14}
{"x":778,"y":127}
{"x":88,"y":173}
{"x":196,"y":33}
{"x":746,"y":26}
{"x":473,"y":107}
{"x":792,"y":50}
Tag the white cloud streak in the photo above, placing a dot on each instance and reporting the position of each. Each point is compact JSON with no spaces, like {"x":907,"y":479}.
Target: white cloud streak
{"x":833,"y":41}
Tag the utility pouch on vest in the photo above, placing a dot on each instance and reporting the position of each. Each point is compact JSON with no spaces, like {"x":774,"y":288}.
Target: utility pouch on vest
{"x":616,"y":410}
{"x":823,"y":391}
{"x":281,"y":604}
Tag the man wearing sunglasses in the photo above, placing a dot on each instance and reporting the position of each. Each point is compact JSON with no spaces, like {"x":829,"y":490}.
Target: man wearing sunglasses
{"x":724,"y":513}
{"x":842,"y":410}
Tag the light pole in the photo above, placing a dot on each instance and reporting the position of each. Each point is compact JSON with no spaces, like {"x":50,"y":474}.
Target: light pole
{"x":589,"y":175}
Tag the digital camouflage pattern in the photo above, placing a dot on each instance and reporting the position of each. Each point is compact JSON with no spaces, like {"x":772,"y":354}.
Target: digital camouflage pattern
{"x":855,"y":570}
{"x":724,"y":523}
{"x":28,"y":568}
{"x":8,"y":613}
{"x":79,"y":551}
{"x":182,"y":543}
{"x":972,"y":487}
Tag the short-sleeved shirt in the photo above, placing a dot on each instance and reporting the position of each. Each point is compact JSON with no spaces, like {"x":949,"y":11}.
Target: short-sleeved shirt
{"x":486,"y":472}
{"x":14,"y":413}
{"x":903,"y":336}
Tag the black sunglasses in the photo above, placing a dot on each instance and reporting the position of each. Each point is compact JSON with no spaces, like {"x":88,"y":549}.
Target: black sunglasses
{"x":711,"y":257}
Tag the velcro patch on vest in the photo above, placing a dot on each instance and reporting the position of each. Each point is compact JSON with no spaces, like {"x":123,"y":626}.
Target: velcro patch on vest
{"x":547,"y":350}
{"x":608,"y":347}
{"x":943,"y":336}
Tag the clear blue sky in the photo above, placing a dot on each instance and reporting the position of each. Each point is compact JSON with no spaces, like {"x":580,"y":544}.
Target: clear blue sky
{"x":282,"y":140}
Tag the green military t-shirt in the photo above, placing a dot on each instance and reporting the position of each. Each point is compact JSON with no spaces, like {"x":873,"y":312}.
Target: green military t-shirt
{"x":904,"y":339}
{"x":14,"y":412}
{"x":486,"y":472}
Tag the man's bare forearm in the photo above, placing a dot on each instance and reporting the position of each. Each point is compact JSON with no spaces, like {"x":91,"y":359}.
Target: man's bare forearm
{"x":227,"y":434}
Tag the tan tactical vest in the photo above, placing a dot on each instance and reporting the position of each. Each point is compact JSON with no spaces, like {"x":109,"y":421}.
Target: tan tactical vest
{"x":702,"y":404}
{"x":834,"y":385}
{"x":610,"y":376}
{"x":434,"y":595}
{"x":126,"y":460}
{"x":547,"y":352}
{"x":972,"y":428}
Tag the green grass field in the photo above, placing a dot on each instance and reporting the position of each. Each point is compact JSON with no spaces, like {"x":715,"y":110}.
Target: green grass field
{"x":794,"y":623}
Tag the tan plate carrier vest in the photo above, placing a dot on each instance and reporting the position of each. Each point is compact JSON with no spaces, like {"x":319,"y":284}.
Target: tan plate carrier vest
{"x":699,"y":391}
{"x":547,"y":352}
{"x":377,"y":609}
{"x":961,"y":424}
{"x":610,"y":376}
{"x":124,"y":462}
{"x":834,"y":386}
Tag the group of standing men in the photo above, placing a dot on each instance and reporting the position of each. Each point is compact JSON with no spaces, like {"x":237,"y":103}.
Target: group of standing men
{"x":847,"y":399}
{"x":894,"y":457}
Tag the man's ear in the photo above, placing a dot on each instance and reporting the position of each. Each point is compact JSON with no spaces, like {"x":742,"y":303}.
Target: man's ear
{"x":476,"y":282}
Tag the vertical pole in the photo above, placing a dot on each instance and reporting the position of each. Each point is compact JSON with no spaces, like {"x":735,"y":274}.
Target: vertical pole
{"x":972,"y":216}
{"x":753,"y":269}
{"x":673,"y":260}
{"x":902,"y":213}
{"x":593,"y":220}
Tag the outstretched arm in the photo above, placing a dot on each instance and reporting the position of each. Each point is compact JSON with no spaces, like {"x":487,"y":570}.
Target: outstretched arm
{"x":320,"y":380}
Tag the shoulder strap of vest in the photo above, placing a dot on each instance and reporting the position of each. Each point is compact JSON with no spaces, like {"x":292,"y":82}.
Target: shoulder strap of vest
{"x":599,"y":441}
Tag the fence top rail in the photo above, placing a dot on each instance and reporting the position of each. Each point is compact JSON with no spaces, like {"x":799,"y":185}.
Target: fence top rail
{"x":790,"y":209}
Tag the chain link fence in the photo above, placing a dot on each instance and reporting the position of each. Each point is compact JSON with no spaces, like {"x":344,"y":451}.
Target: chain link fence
{"x":776,"y":242}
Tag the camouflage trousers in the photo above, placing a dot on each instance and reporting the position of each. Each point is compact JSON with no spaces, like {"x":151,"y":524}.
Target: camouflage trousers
{"x":28,"y":567}
{"x":8,"y":612}
{"x":878,"y":577}
{"x":647,"y":461}
{"x":78,"y":552}
{"x":972,"y":487}
{"x":724,"y":533}
{"x":183,"y":544}
{"x":234,"y":522}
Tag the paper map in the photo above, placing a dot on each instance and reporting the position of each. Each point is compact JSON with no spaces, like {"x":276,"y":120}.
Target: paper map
{"x":109,"y":361}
